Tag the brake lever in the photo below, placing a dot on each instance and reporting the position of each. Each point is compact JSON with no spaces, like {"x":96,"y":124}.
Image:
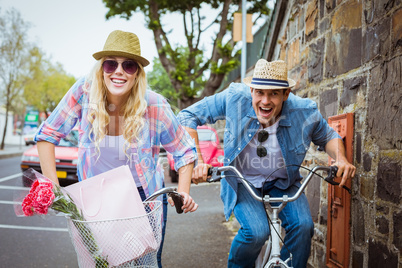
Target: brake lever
{"x":331,"y":178}
{"x":215,"y":176}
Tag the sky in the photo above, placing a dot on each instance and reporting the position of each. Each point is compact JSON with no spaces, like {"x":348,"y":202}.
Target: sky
{"x":70,"y":31}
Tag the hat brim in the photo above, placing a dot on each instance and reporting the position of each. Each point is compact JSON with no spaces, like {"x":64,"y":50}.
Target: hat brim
{"x":248,"y":80}
{"x":104,"y":53}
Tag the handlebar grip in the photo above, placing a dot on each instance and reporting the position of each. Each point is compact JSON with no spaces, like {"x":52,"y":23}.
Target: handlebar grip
{"x":178,"y":202}
{"x":332,"y":171}
{"x":210,"y":171}
{"x":213,"y":174}
{"x":332,"y":175}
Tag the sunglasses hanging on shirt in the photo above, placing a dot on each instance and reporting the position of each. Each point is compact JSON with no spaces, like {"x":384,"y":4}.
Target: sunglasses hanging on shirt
{"x":262,"y":137}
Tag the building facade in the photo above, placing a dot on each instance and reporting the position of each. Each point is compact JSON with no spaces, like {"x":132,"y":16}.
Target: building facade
{"x":347,"y":56}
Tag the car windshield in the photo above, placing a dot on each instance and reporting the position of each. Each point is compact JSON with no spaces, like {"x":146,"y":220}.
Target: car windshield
{"x":71,"y":140}
{"x":206,"y":135}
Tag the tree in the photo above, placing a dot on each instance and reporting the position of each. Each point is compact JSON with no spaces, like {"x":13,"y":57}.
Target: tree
{"x":47,"y":83}
{"x":14,"y":51}
{"x":159,"y":80}
{"x":222,"y":58}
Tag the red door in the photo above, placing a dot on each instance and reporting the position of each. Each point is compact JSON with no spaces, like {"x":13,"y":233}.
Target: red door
{"x":338,"y":233}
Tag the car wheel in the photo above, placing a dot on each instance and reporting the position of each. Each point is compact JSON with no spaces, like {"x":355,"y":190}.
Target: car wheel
{"x":173,"y":175}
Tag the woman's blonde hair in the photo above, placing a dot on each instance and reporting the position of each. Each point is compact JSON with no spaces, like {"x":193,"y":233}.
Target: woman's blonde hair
{"x":133,"y":110}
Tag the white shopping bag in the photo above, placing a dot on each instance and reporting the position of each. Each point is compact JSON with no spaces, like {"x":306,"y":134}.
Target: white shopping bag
{"x":108,"y":197}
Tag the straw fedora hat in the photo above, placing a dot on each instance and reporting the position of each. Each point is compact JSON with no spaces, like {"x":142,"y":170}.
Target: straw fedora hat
{"x":269,"y":75}
{"x":122,"y":44}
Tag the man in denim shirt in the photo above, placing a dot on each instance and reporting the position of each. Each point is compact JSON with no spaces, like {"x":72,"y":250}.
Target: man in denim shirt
{"x":267,"y":127}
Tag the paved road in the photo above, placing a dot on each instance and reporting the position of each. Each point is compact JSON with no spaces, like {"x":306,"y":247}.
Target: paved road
{"x":193,"y":240}
{"x":199,"y":239}
{"x":29,"y":241}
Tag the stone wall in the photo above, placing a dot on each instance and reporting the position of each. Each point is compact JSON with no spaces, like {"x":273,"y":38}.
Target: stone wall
{"x":347,"y":56}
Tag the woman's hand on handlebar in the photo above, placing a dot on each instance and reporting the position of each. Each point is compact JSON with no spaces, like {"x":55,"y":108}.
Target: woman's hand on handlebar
{"x":189,"y":205}
{"x":200,"y":173}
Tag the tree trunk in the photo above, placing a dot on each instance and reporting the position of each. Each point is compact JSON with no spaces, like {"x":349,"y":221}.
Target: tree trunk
{"x":5,"y":129}
{"x":184,"y":103}
{"x":8,"y":104}
{"x":161,"y":42}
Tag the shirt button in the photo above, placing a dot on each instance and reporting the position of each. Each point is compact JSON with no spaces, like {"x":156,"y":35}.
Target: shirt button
{"x":249,"y":135}
{"x":258,"y":123}
{"x":238,"y":149}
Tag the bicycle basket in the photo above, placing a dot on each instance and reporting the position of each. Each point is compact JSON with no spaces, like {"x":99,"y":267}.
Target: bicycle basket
{"x":128,"y":242}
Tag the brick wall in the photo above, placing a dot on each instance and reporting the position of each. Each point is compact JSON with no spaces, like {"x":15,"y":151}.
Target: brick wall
{"x":347,"y":56}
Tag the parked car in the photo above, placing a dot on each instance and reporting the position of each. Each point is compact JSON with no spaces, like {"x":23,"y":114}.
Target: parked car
{"x":211,"y":150}
{"x":66,"y":159}
{"x":29,"y":137}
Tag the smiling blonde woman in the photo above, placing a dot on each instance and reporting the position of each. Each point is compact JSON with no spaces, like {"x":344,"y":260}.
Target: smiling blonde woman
{"x":120,"y":122}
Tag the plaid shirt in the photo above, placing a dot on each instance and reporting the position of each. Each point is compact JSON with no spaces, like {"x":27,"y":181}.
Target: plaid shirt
{"x":160,"y":127}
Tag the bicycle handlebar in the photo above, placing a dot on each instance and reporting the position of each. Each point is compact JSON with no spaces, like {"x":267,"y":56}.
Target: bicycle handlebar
{"x":214,"y":172}
{"x":171,"y":192}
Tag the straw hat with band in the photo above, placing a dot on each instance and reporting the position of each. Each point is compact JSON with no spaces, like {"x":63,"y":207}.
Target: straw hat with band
{"x":269,"y":75}
{"x":122,"y":44}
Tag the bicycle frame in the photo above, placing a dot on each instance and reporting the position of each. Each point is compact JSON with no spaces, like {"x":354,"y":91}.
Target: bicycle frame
{"x":270,"y":257}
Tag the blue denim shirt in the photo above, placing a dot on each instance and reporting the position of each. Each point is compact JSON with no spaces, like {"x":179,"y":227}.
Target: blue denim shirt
{"x":300,"y":124}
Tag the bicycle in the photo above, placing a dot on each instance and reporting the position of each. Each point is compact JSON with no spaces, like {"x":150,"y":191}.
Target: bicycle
{"x":128,"y":242}
{"x":269,"y":256}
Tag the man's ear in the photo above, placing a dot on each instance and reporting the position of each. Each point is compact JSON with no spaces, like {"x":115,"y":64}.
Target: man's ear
{"x":251,"y":90}
{"x":286,"y":94}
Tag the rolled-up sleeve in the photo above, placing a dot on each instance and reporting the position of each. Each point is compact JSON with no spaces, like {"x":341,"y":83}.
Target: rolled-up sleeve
{"x":175,"y":138}
{"x":323,"y":133}
{"x":63,"y":119}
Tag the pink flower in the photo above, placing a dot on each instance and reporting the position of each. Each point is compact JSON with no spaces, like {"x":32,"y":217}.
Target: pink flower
{"x":41,"y":183}
{"x":41,"y":210}
{"x":44,"y":196}
{"x":39,"y":199}
{"x":27,"y":205}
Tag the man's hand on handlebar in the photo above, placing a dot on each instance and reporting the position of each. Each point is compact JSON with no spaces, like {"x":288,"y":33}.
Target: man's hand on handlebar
{"x":345,"y":170}
{"x":200,"y":173}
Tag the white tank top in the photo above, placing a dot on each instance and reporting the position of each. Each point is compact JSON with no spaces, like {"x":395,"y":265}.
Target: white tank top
{"x":112,"y":156}
{"x":257,"y":169}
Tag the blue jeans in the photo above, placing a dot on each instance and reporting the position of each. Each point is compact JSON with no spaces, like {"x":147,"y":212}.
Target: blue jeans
{"x":165,"y":206}
{"x":296,"y":220}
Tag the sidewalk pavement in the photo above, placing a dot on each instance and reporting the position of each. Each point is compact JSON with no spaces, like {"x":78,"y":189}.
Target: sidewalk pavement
{"x":12,"y":151}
